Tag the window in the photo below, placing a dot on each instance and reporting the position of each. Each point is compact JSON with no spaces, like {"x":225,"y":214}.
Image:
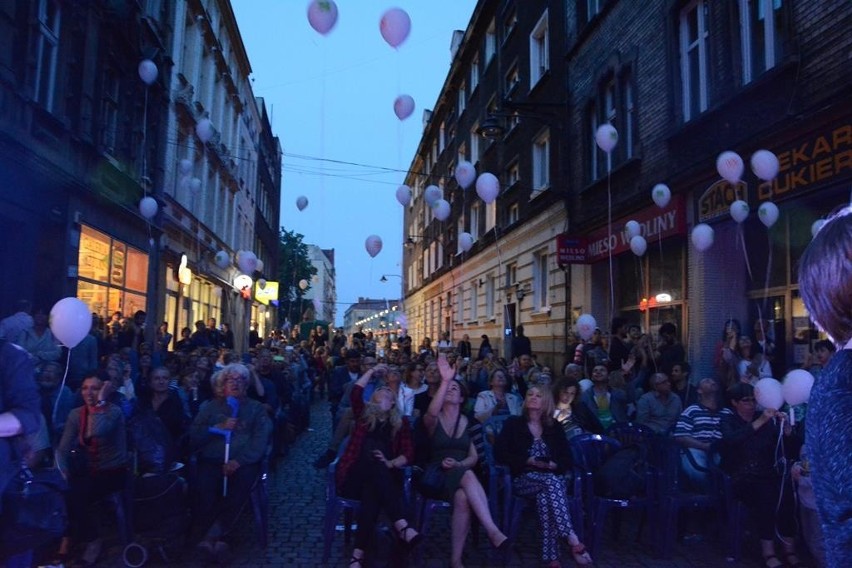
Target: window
{"x":513,"y":78}
{"x":474,"y":74}
{"x":509,"y":23}
{"x":592,"y":122}
{"x":474,"y":300}
{"x":459,"y":231}
{"x":462,"y":99}
{"x":462,"y":157}
{"x":442,"y":139}
{"x":609,"y":102}
{"x":109,"y":111}
{"x":460,"y":305}
{"x":513,"y":174}
{"x":593,"y":8}
{"x":541,"y":162}
{"x":693,"y":59}
{"x":628,"y":123}
{"x":490,"y":215}
{"x":762,"y":24}
{"x":511,"y":274}
{"x":474,"y":221}
{"x":46,"y":51}
{"x":540,"y":282}
{"x":490,"y":43}
{"x":539,"y":56}
{"x":489,"y":296}
{"x":474,"y":143}
{"x":514,"y":213}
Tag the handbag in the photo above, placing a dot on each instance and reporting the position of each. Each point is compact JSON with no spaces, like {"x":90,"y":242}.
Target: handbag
{"x":430,"y":483}
{"x":34,"y":510}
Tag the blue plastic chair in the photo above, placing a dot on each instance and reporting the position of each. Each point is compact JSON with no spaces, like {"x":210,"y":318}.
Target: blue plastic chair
{"x":590,"y":451}
{"x":499,"y":476}
{"x":334,"y":506}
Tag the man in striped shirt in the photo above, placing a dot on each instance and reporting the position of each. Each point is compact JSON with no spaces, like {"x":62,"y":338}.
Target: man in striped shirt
{"x":697,"y":430}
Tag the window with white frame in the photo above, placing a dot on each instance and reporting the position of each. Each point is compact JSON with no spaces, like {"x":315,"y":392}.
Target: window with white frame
{"x":46,"y":53}
{"x":459,"y":231}
{"x":513,"y":174}
{"x":439,"y":254}
{"x":460,"y":305}
{"x":490,"y":215}
{"x":628,"y":123}
{"x":541,"y":161}
{"x":462,"y":156}
{"x":693,"y":58}
{"x":474,"y":74}
{"x":462,"y":102}
{"x":510,"y":21}
{"x":109,"y":111}
{"x":433,"y":257}
{"x":593,"y":8}
{"x":474,"y":143}
{"x":540,"y":281}
{"x":474,"y":221}
{"x":474,"y":301}
{"x":539,"y":50}
{"x":511,"y":274}
{"x":762,"y":25}
{"x":609,"y":102}
{"x":427,"y":214}
{"x":490,"y":43}
{"x":489,"y":296}
{"x":426,"y":272}
{"x":514,"y":213}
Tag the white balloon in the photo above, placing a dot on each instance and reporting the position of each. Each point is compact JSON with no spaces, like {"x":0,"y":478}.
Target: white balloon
{"x":246,"y":261}
{"x":441,"y":210}
{"x":465,"y":241}
{"x":768,"y":213}
{"x":259,"y":266}
{"x":702,"y":236}
{"x":633,"y":228}
{"x":195,"y":185}
{"x":586,"y":325}
{"x":638,"y":245}
{"x":432,"y":194}
{"x":767,"y":393}
{"x":606,"y":137}
{"x":185,"y":167}
{"x":764,"y":164}
{"x":465,"y":174}
{"x":70,"y":321}
{"x":303,"y":283}
{"x":403,"y":106}
{"x":816,"y":226}
{"x":586,"y":384}
{"x":322,"y":15}
{"x":797,"y":387}
{"x":403,"y":195}
{"x":148,"y":207}
{"x":739,"y":210}
{"x":661,"y":194}
{"x":222,"y":259}
{"x":373,"y":244}
{"x":730,"y":166}
{"x":148,"y":71}
{"x":487,"y":187}
{"x":301,"y":202}
{"x":204,"y":130}
{"x":395,"y":26}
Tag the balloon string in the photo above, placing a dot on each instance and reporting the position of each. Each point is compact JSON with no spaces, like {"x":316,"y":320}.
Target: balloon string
{"x":609,"y":232}
{"x":144,"y":143}
{"x":662,"y":264}
{"x":768,"y":271}
{"x":322,"y":128}
{"x":59,"y":392}
{"x":745,"y":250}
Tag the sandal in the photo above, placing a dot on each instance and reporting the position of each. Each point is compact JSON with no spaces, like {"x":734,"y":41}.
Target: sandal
{"x":355,"y":562}
{"x":771,"y":561}
{"x":413,"y":541}
{"x":580,"y":554}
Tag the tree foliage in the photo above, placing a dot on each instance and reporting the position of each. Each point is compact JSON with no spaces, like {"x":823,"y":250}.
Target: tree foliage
{"x":294,"y":265}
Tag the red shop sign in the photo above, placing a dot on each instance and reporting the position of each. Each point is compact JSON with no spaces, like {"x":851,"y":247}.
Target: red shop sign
{"x":656,"y":224}
{"x":571,"y":249}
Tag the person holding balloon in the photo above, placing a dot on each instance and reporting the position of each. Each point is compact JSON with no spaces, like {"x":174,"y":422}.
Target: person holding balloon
{"x":749,"y":455}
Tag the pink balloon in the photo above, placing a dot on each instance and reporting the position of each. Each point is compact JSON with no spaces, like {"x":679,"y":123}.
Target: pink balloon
{"x":322,"y":15}
{"x":373,"y":244}
{"x":395,"y":26}
{"x":403,"y":106}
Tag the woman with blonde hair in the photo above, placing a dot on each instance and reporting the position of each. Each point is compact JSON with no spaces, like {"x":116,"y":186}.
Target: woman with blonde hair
{"x":535,"y":448}
{"x":380,"y":446}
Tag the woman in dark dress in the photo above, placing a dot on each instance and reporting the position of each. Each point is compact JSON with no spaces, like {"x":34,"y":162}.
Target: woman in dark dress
{"x":452,"y":448}
{"x":535,"y":448}
{"x":379,"y":447}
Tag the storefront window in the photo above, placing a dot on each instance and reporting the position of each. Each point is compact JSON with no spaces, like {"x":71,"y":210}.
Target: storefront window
{"x":112,"y":277}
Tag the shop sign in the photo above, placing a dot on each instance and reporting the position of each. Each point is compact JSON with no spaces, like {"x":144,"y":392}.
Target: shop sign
{"x":812,"y":162}
{"x":571,"y":249}
{"x":716,"y":201}
{"x":656,"y":224}
{"x":266,"y":294}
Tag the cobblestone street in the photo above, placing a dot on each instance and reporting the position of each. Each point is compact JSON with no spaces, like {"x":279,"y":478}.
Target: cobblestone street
{"x":297,"y":504}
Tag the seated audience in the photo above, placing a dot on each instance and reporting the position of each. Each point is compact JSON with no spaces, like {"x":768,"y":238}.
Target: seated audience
{"x":607,"y":405}
{"x":497,"y":401}
{"x":660,"y":408}
{"x":698,"y":432}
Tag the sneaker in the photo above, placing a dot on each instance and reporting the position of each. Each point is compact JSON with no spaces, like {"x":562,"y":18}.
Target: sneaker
{"x":325,"y":460}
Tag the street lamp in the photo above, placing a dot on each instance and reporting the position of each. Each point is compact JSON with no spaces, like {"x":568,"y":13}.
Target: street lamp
{"x":494,"y":127}
{"x":384,"y":277}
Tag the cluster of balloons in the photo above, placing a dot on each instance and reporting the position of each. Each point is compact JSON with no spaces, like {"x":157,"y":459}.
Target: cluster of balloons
{"x":796,"y":389}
